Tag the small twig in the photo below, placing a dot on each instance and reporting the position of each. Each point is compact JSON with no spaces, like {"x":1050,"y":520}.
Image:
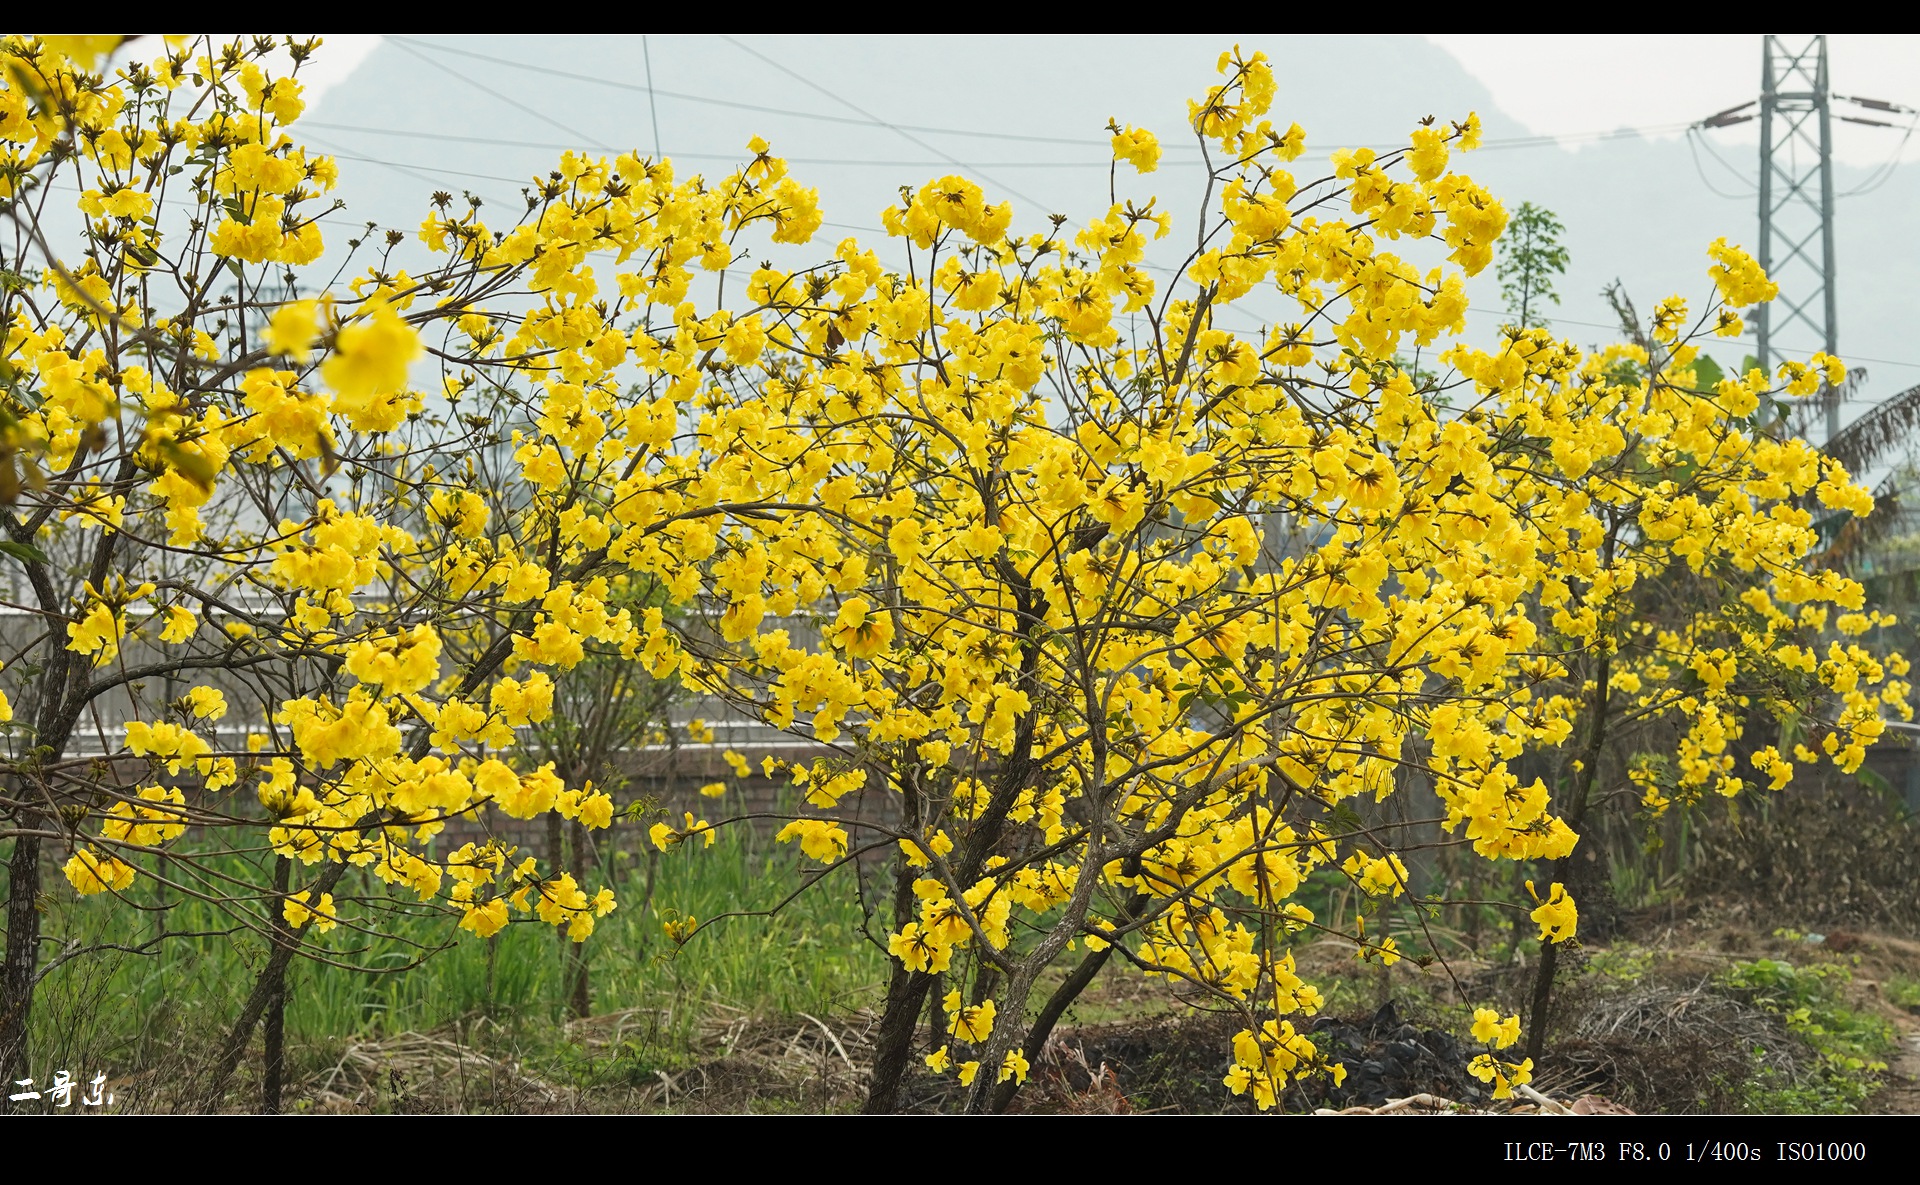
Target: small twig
{"x":838,"y":1048}
{"x":1547,"y":1106}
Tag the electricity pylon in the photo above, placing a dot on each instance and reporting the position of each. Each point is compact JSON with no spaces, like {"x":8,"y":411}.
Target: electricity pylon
{"x":1796,"y":192}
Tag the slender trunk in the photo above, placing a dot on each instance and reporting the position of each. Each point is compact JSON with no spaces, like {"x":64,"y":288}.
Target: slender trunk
{"x":653,"y":866}
{"x":1576,"y":815}
{"x":274,"y":1031}
{"x":900,"y":1017}
{"x":556,"y":861}
{"x":264,"y":987}
{"x":576,"y":958}
{"x":994,"y":1054}
{"x":23,"y":940}
{"x":1542,"y":997}
{"x":491,"y":947}
{"x":1057,"y":1005}
{"x":906,"y":991}
{"x":164,"y":871}
{"x":62,"y":693}
{"x":20,"y":975}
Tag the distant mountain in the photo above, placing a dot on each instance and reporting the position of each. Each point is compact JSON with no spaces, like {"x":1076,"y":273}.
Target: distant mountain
{"x":1634,"y":209}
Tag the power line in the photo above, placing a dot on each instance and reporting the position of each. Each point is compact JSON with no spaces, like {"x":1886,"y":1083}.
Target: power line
{"x":1878,"y":176}
{"x":720,"y":156}
{"x":1546,"y":140}
{"x":1536,"y":140}
{"x":511,"y":102}
{"x":1884,"y":172}
{"x":554,"y":145}
{"x":1693,"y":134}
{"x":434,"y":178}
{"x":1489,"y":312}
{"x":176,"y":202}
{"x":909,"y":137}
{"x":443,"y":174}
{"x":491,"y":141}
{"x":653,"y":108}
{"x":868,"y":121}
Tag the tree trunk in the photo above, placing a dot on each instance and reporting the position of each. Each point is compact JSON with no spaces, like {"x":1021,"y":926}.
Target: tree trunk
{"x":900,"y":1017}
{"x":1057,"y":1005}
{"x":264,"y":987}
{"x":23,"y":940}
{"x":163,"y":872}
{"x":906,"y":991}
{"x":1542,"y":998}
{"x":1541,"y":1012}
{"x":556,"y":849}
{"x":274,"y":1031}
{"x":576,"y":954}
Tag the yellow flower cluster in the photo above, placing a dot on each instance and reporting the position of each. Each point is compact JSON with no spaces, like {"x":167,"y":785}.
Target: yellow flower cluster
{"x":1267,"y":1058}
{"x":1555,"y":915}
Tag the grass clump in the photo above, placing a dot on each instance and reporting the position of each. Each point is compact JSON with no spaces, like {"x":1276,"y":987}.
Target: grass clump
{"x":1850,"y":1046}
{"x":154,"y":1017}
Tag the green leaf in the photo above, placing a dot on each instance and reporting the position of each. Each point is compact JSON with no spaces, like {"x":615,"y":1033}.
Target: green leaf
{"x":25,"y":552}
{"x":1344,"y":816}
{"x":1706,"y":372}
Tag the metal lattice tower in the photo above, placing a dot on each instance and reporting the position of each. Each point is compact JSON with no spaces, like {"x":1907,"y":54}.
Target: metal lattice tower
{"x":1796,"y":195}
{"x":1796,"y":115}
{"x":1796,"y":198}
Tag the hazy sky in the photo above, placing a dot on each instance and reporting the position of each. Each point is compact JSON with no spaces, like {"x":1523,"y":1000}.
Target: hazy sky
{"x":1565,"y":85}
{"x":1637,"y":208}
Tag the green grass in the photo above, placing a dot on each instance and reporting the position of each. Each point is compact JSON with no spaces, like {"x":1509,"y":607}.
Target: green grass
{"x":125,"y":1013}
{"x":1850,"y":1045}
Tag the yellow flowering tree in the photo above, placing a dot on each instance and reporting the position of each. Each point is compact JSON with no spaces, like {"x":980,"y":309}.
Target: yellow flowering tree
{"x":1681,"y":603}
{"x":1030,"y":495}
{"x":301,"y":561}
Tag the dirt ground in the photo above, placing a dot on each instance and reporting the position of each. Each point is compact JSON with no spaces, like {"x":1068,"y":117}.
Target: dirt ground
{"x":1643,"y":1024}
